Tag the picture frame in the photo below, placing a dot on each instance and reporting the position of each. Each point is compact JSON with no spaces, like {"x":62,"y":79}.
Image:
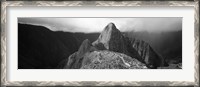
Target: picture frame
{"x":5,"y":4}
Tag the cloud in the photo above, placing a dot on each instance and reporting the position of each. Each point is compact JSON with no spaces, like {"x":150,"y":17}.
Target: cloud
{"x":97,"y":24}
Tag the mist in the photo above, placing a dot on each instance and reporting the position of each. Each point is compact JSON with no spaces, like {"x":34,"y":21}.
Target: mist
{"x":91,"y":25}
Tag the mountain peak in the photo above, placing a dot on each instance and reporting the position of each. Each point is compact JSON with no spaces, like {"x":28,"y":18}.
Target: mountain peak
{"x":111,"y":26}
{"x":109,"y":33}
{"x":85,"y":46}
{"x":111,"y":38}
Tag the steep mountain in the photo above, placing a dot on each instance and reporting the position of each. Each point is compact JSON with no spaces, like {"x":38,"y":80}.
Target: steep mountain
{"x":111,"y":42}
{"x":167,"y":44}
{"x":150,"y":57}
{"x":75,"y":60}
{"x":40,"y":48}
{"x":112,"y":39}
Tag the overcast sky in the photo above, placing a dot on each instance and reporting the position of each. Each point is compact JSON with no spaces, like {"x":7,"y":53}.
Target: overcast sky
{"x":97,"y":24}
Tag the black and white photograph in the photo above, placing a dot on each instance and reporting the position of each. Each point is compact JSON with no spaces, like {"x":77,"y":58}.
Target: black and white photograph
{"x":100,"y":43}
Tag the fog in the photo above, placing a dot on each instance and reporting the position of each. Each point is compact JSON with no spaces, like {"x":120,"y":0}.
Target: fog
{"x":88,"y":25}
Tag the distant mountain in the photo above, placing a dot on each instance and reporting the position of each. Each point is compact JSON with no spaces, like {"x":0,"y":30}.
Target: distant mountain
{"x":150,"y":57}
{"x":82,"y":36}
{"x":112,"y":41}
{"x":38,"y":47}
{"x":167,"y":44}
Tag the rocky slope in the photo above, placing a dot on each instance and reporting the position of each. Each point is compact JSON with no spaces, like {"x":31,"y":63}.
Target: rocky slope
{"x":75,"y":60}
{"x":168,"y":44}
{"x":150,"y":57}
{"x":89,"y":57}
{"x":110,"y":60}
{"x":111,"y":50}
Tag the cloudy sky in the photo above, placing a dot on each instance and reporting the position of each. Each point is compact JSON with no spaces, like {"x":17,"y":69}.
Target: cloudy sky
{"x":88,"y":25}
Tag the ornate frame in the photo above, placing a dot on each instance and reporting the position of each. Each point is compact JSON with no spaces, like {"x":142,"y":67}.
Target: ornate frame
{"x":4,"y":5}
